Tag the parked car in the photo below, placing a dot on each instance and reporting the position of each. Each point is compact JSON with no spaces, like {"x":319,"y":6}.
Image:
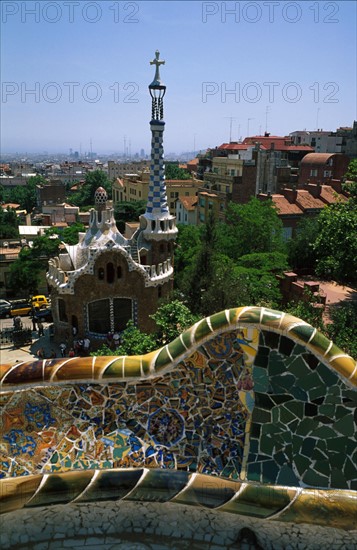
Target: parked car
{"x":19,"y":307}
{"x":39,"y":301}
{"x":5,"y":311}
{"x":44,"y":314}
{"x":4,"y":302}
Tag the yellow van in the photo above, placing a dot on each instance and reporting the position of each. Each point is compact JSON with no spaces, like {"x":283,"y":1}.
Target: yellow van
{"x":39,"y":301}
{"x":20,"y":307}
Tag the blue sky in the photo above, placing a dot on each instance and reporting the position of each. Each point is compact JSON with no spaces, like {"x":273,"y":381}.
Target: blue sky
{"x":88,"y":63}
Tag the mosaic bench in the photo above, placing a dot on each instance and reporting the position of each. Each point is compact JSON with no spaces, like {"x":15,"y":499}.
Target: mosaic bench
{"x":250,"y":416}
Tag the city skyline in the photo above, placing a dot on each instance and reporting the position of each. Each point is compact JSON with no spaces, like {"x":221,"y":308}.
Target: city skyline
{"x":75,"y":75}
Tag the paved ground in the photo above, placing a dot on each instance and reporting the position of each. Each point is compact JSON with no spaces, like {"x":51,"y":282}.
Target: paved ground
{"x":12,"y":355}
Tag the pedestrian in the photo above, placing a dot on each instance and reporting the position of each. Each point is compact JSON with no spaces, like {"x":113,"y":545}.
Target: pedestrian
{"x":63,"y":348}
{"x":17,"y":323}
{"x":86,"y":346}
{"x":116,"y":339}
{"x":40,"y":353}
{"x":33,"y":317}
{"x":40,"y":328}
{"x":71,"y":353}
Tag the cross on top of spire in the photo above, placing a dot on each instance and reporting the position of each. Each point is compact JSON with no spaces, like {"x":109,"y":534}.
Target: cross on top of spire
{"x":157,"y":62}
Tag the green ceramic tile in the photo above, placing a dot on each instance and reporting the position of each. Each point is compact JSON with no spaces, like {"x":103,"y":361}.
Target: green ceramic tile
{"x":296,"y":408}
{"x":286,"y":476}
{"x":338,"y":480}
{"x":261,"y":416}
{"x":263,"y":401}
{"x":285,"y":381}
{"x":299,"y":368}
{"x":319,"y":391}
{"x":203,"y":329}
{"x":270,"y":471}
{"x":350,"y":469}
{"x":306,"y":426}
{"x":315,"y":479}
{"x":261,"y":379}
{"x":308,"y":446}
{"x":254,"y":471}
{"x":302,"y":463}
{"x":267,"y":445}
{"x":176,"y":348}
{"x":324,"y":432}
{"x":310,"y":381}
{"x":299,"y":393}
{"x":345,"y":425}
{"x":218,"y":320}
{"x":303,"y":332}
{"x":337,"y":444}
{"x":285,"y":415}
{"x":328,"y":377}
{"x":329,"y":410}
{"x":323,"y":467}
{"x":162,"y":360}
{"x":276,"y":365}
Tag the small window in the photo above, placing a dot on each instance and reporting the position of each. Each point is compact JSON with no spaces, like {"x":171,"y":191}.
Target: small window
{"x":62,"y":311}
{"x":110,"y":273}
{"x":119,"y":272}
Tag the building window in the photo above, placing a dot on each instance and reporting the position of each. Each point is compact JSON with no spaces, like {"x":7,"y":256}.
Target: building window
{"x":109,"y":315}
{"x":313,"y":173}
{"x":62,"y":311}
{"x":119,"y":272}
{"x":327,"y":173}
{"x":110,"y":273}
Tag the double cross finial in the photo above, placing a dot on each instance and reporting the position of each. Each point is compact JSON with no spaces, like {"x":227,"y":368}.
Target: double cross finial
{"x":157,"y":62}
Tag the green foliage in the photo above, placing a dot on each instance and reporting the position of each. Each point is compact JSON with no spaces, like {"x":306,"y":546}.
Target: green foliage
{"x":9,"y":224}
{"x":172,"y":319}
{"x":69,"y":235}
{"x":25,"y":272}
{"x":307,"y":311}
{"x":174,"y":172}
{"x":336,"y":242}
{"x":301,"y":251}
{"x":95,"y":179}
{"x":272,"y":262}
{"x":251,"y":227}
{"x":135,"y":342}
{"x":24,"y":195}
{"x":128,"y":212}
{"x":343,"y":327}
{"x":351,"y":176}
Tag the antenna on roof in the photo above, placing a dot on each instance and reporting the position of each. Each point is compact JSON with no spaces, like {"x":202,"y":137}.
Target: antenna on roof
{"x":267,"y":110}
{"x":317,"y":119}
{"x":231,"y":118}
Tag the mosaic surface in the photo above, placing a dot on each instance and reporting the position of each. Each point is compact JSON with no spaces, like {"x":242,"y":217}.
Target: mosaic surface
{"x":193,"y":418}
{"x":249,"y":394}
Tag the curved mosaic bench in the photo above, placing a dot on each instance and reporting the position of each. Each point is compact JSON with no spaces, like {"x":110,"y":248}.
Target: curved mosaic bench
{"x":251,"y":412}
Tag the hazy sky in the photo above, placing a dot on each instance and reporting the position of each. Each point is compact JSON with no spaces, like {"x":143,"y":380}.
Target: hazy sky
{"x":79,"y":70}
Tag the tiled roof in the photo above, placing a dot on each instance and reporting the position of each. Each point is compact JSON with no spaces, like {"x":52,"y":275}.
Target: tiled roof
{"x":306,"y":201}
{"x":317,"y":158}
{"x":329,"y":195}
{"x":285,"y":207}
{"x":280,"y":143}
{"x":234,"y":146}
{"x":188,"y":203}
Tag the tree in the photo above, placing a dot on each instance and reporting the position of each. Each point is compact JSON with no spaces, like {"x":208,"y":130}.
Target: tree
{"x":343,"y":327}
{"x":251,"y":227}
{"x":174,"y":172}
{"x":336,"y":242}
{"x":133,"y":342}
{"x":93,"y":180}
{"x":198,"y":278}
{"x":172,"y":319}
{"x":9,"y":224}
{"x":128,"y":211}
{"x":301,"y":251}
